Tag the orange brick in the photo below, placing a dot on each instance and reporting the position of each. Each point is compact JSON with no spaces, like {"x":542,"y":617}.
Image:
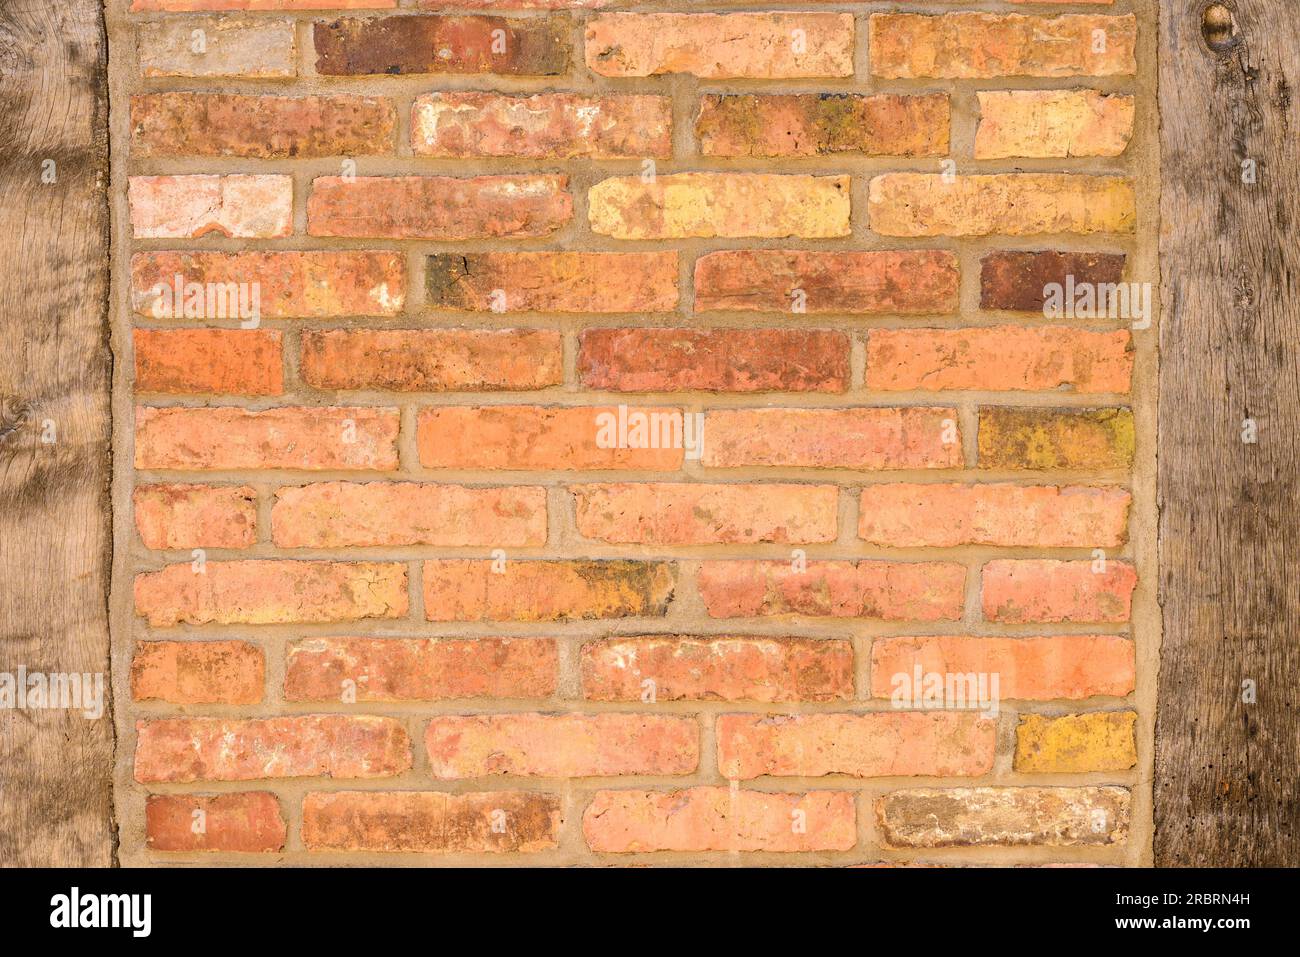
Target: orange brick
{"x":1042,"y":591}
{"x":284,"y":438}
{"x":245,"y":822}
{"x":554,"y":282}
{"x":168,"y":6}
{"x":719,"y":819}
{"x":195,"y":516}
{"x":178,"y":750}
{"x":188,"y":207}
{"x":420,"y":669}
{"x":727,"y":669}
{"x":344,"y":514}
{"x":198,"y":672}
{"x":469,"y":590}
{"x":943,"y":516}
{"x":561,"y":745}
{"x":879,"y":744}
{"x":889,"y":591}
{"x":270,"y":592}
{"x":215,"y":361}
{"x":1053,"y":123}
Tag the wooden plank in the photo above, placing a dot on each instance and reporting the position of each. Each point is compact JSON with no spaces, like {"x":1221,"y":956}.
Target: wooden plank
{"x":55,"y":365}
{"x":1227,"y":788}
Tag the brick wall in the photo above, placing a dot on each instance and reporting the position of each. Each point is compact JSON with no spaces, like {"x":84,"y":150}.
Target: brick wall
{"x":403,"y":577}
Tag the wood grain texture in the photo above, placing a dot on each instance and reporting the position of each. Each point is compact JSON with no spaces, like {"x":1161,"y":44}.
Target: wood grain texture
{"x":55,"y":765}
{"x":1226,"y":771}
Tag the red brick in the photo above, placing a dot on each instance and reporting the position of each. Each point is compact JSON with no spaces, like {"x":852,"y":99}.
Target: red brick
{"x":438,"y":207}
{"x":430,"y":822}
{"x":554,"y":282}
{"x":540,"y":437}
{"x":195,"y":516}
{"x":388,"y":46}
{"x":261,"y":126}
{"x":466,"y":124}
{"x":1016,"y":280}
{"x":308,"y":285}
{"x":879,"y":282}
{"x":420,"y":669}
{"x":879,"y":744}
{"x":1043,"y":591}
{"x":469,"y":590}
{"x":285,"y":438}
{"x":214,"y":361}
{"x":889,"y":591}
{"x":244,"y":822}
{"x":860,"y":438}
{"x":178,"y":750}
{"x":1031,"y":669}
{"x":699,"y":514}
{"x":271,"y":592}
{"x":347,"y":514}
{"x":1000,"y":358}
{"x":198,"y":672}
{"x":188,"y":207}
{"x":723,"y":669}
{"x":1031,"y":516}
{"x":714,"y":360}
{"x":719,"y":819}
{"x":432,"y":360}
{"x":561,"y":745}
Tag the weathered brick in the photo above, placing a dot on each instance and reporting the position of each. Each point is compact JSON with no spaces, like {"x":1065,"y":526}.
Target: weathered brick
{"x":430,"y":822}
{"x":1000,"y":358}
{"x":216,"y":361}
{"x":866,"y":745}
{"x":889,"y":591}
{"x":762,"y":46}
{"x":872,"y":282}
{"x":670,"y":668}
{"x":195,"y":516}
{"x":270,"y":592}
{"x":198,"y":672}
{"x":719,"y":819}
{"x":178,"y":750}
{"x":467,"y":124}
{"x":432,"y":44}
{"x":438,"y":207}
{"x":261,"y":126}
{"x":1012,"y":204}
{"x":860,"y":438}
{"x":554,"y":282}
{"x":1034,"y":669}
{"x":542,"y":437}
{"x":561,"y":745}
{"x":726,"y":205}
{"x":288,"y":285}
{"x":981,"y":817}
{"x":714,"y":360}
{"x":350,"y":514}
{"x":1017,"y":280}
{"x":244,"y":822}
{"x":975,"y":45}
{"x":1056,"y":438}
{"x":695,"y":513}
{"x":432,"y":360}
{"x":818,"y":124}
{"x":168,"y":6}
{"x":188,"y":207}
{"x":1042,"y":591}
{"x":308,"y":438}
{"x":420,"y":669}
{"x":1035,"y":516}
{"x":1053,"y":123}
{"x":1076,"y":743}
{"x":469,"y":590}
{"x":218,"y":46}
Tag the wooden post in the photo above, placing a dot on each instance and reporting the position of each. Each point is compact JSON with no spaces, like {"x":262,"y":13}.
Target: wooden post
{"x":1228,"y":726}
{"x":55,"y":369}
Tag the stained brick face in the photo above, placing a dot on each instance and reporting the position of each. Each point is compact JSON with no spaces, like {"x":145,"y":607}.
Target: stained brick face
{"x":652,"y":442}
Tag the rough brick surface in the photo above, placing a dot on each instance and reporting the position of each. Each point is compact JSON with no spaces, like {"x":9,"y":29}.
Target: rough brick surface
{"x":554,"y":282}
{"x":1047,"y":590}
{"x":216,"y":361}
{"x":198,"y":672}
{"x":188,"y":207}
{"x":1018,"y":280}
{"x":358,"y":46}
{"x":975,"y":817}
{"x":247,"y":822}
{"x":196,"y":516}
{"x":1076,"y":743}
{"x":1053,"y":123}
{"x":218,"y":46}
{"x":1056,"y":438}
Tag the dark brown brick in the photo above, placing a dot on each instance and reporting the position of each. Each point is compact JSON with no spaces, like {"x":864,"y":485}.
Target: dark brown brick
{"x":433,"y":44}
{"x":1015,"y":280}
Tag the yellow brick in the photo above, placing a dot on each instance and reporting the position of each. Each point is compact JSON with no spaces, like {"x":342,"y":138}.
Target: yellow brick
{"x":1053,"y":123}
{"x":1100,"y":741}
